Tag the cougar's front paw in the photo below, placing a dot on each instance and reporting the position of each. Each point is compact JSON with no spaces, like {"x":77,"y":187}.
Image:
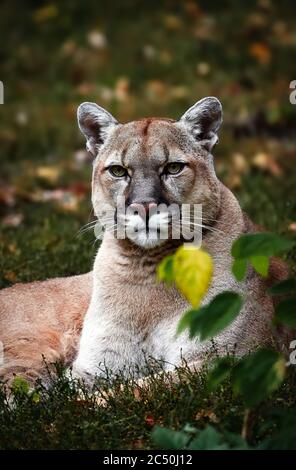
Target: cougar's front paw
{"x":80,"y":372}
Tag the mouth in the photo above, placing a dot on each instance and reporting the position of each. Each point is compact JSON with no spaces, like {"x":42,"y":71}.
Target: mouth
{"x":147,"y":234}
{"x":150,"y":232}
{"x":154,"y":229}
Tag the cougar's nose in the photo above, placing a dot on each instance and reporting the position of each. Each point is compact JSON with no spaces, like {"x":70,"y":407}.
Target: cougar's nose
{"x":145,"y":205}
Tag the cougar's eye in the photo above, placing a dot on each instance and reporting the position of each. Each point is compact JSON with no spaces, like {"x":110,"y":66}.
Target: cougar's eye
{"x":117,"y":171}
{"x":174,"y":168}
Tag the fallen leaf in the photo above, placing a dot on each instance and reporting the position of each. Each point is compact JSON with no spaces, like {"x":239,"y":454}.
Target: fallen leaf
{"x":48,"y":173}
{"x":7,"y":195}
{"x":106,"y":93}
{"x":203,"y":68}
{"x":234,"y":181}
{"x":292,"y":227}
{"x":258,"y":20}
{"x":97,"y":40}
{"x":12,"y":220}
{"x":267,"y":162}
{"x":122,"y":89}
{"x":67,"y":200}
{"x":69,"y":47}
{"x":210,"y":415}
{"x":150,"y":420}
{"x":261,"y":52}
{"x":10,"y":276}
{"x":172,"y":22}
{"x":45,"y":13}
{"x":240,"y":163}
{"x":21,"y":118}
{"x":192,"y":9}
{"x":85,"y":88}
{"x":13,"y":248}
{"x":156,"y":90}
{"x":178,"y":92}
{"x":149,"y":52}
{"x":165,"y":57}
{"x":205,"y":28}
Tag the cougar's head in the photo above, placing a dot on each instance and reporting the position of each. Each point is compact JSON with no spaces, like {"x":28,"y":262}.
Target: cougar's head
{"x":152,"y":167}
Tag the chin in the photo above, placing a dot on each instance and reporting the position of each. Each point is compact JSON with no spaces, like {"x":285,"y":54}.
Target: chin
{"x":146,"y":241}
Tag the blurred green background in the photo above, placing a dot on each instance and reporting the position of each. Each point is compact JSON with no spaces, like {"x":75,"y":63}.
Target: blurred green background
{"x":136,"y":58}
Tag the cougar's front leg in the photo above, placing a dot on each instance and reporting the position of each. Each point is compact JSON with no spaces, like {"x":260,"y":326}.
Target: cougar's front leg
{"x":104,"y":345}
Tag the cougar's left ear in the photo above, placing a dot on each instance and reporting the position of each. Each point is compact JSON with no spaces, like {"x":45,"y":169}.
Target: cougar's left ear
{"x":95,"y":123}
{"x":203,"y":120}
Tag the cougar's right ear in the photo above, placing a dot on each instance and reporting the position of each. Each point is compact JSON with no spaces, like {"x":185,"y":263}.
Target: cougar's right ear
{"x":95,"y":123}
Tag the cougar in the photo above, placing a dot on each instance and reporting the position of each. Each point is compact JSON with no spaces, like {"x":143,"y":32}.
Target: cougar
{"x":118,"y":314}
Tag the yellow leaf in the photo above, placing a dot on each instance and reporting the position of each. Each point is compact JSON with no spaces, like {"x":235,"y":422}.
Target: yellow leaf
{"x":280,"y":368}
{"x":193,"y":269}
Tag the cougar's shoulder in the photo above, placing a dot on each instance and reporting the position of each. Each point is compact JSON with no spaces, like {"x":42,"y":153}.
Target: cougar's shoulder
{"x":34,"y":298}
{"x":42,"y":318}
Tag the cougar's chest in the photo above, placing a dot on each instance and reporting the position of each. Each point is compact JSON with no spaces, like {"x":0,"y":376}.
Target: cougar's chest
{"x":138,"y":305}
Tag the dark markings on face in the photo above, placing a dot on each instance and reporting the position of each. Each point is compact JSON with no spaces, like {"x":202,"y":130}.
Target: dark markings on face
{"x":148,"y":121}
{"x":124,"y":154}
{"x":146,"y":126}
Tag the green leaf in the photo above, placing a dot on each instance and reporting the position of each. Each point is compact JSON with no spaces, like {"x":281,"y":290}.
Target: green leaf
{"x":209,"y":320}
{"x":288,"y":286}
{"x":186,"y":320}
{"x":257,"y":375}
{"x":20,"y":386}
{"x":169,"y":439}
{"x":260,"y":244}
{"x":35,"y":397}
{"x":285,"y":312}
{"x":235,"y":441}
{"x":220,"y":372}
{"x":284,"y":437}
{"x":260,"y":264}
{"x":208,"y":439}
{"x":191,"y":439}
{"x":239,"y":268}
{"x":165,"y":270}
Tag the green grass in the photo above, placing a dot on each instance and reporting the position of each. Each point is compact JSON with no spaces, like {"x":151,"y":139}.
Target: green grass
{"x":68,"y":417}
{"x":159,"y":59}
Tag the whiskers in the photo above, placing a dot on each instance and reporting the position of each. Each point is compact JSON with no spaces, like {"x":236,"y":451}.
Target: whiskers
{"x":87,"y":227}
{"x":198,"y":223}
{"x":99,"y":226}
{"x":181,"y":224}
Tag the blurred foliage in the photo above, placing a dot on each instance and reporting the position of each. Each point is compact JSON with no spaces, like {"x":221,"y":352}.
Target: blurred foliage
{"x":137,"y":59}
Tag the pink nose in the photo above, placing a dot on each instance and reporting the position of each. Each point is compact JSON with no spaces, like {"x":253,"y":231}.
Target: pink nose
{"x":143,"y":205}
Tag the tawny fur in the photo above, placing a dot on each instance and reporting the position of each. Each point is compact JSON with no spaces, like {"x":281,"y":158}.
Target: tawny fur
{"x":42,"y":319}
{"x":118,"y":313}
